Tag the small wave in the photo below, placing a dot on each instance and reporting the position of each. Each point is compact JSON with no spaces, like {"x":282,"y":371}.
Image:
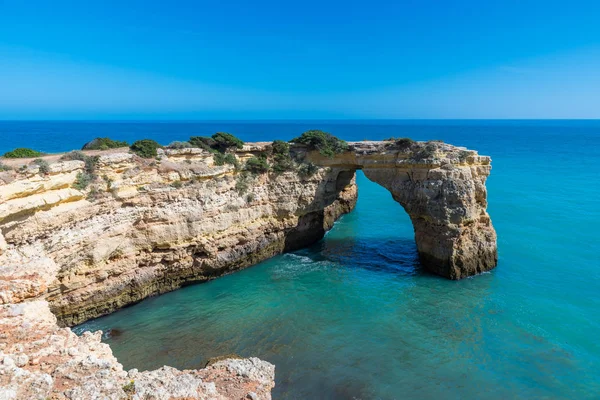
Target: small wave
{"x":299,"y":257}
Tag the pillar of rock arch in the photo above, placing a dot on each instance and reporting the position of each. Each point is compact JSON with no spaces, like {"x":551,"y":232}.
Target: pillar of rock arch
{"x":442,"y":188}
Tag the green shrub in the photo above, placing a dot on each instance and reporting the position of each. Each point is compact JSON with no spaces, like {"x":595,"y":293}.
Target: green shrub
{"x":224,"y":141}
{"x":145,"y":148}
{"x":203,"y":142}
{"x":282,"y":161}
{"x":219,"y":142}
{"x":226,"y":158}
{"x":177,"y":184}
{"x":242,"y":183}
{"x":280,"y":147}
{"x":82,"y":180}
{"x":4,"y":167}
{"x":250,"y":197}
{"x":327,"y":144}
{"x":104,"y":144}
{"x":426,"y":151}
{"x":22,"y":152}
{"x":463,"y":155}
{"x":43,"y":165}
{"x":90,"y":164}
{"x":129,"y":388}
{"x":179,"y":145}
{"x":75,"y":155}
{"x":404,"y":143}
{"x":257,"y":165}
{"x":307,"y":169}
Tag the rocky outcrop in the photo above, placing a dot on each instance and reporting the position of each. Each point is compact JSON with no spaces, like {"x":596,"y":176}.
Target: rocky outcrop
{"x":145,"y":227}
{"x":39,"y":360}
{"x":442,"y":188}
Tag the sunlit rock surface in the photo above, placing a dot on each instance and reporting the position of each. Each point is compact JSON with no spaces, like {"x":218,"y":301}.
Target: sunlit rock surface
{"x":148,"y":226}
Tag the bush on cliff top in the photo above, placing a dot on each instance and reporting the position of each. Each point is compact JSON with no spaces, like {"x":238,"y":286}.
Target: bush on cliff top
{"x":104,"y":144}
{"x":22,"y":152}
{"x":220,"y":141}
{"x":145,"y":148}
{"x":224,"y":140}
{"x":179,"y":145}
{"x":327,"y":144}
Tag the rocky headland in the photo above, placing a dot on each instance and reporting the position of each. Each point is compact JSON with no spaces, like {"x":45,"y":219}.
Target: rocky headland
{"x":72,"y":250}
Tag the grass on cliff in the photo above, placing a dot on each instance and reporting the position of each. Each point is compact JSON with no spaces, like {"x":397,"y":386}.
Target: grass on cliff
{"x":327,"y":144}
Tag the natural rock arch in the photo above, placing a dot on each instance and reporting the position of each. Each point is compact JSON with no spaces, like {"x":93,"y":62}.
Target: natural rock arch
{"x":442,"y":189}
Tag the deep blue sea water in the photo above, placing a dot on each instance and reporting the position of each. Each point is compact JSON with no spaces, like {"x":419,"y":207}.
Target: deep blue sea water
{"x":356,"y":317}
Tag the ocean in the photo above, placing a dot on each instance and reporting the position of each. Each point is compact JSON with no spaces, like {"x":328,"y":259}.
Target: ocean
{"x":355,"y":316}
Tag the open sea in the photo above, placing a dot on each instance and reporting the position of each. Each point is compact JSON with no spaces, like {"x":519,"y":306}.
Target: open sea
{"x":355,"y":316}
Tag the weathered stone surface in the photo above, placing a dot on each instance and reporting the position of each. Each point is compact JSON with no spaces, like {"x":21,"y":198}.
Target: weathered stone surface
{"x":145,"y":227}
{"x":442,"y":188}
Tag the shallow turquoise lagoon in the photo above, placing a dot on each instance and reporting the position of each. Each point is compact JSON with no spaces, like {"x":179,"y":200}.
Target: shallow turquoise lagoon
{"x":356,"y":317}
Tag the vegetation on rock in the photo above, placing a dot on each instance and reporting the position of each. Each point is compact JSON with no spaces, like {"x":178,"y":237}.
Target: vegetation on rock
{"x":224,"y":141}
{"x":104,"y":144}
{"x":307,"y":170}
{"x":282,"y":161}
{"x":226,"y":158}
{"x":327,"y":144}
{"x":82,"y":180}
{"x":242,"y":183}
{"x":203,"y":142}
{"x":257,"y":165}
{"x":179,"y":145}
{"x":22,"y":152}
{"x":4,"y":167}
{"x":43,"y":165}
{"x":145,"y":148}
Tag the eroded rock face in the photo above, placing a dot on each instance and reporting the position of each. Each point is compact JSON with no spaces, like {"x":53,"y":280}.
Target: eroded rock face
{"x":39,"y":360}
{"x":442,"y":188}
{"x":146,"y":227}
{"x":143,"y":228}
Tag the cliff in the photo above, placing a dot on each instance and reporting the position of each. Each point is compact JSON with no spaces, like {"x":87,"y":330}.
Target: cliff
{"x":143,"y":228}
{"x":148,"y":226}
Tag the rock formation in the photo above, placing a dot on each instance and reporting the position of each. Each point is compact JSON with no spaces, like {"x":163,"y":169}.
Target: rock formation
{"x":145,"y":227}
{"x":442,"y":188}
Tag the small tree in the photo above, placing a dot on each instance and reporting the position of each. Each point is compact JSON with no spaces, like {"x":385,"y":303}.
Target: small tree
{"x":224,"y":140}
{"x":203,"y":142}
{"x":145,"y":148}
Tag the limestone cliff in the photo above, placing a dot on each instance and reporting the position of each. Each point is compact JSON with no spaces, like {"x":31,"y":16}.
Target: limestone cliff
{"x":442,"y":189}
{"x":145,"y":227}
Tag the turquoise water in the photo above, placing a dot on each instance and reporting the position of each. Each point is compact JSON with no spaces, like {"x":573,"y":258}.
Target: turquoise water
{"x":355,"y":317}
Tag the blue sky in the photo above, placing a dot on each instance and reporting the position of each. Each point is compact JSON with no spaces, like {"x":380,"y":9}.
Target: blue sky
{"x":309,"y":59}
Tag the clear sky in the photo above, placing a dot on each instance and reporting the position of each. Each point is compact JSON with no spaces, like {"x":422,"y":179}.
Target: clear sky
{"x":278,"y":59}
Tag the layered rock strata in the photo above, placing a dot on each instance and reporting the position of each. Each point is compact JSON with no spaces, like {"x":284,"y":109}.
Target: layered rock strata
{"x":145,"y":227}
{"x":442,"y":188}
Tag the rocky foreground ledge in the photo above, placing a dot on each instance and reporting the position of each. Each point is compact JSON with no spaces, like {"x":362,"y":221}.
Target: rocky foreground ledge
{"x":71,"y":250}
